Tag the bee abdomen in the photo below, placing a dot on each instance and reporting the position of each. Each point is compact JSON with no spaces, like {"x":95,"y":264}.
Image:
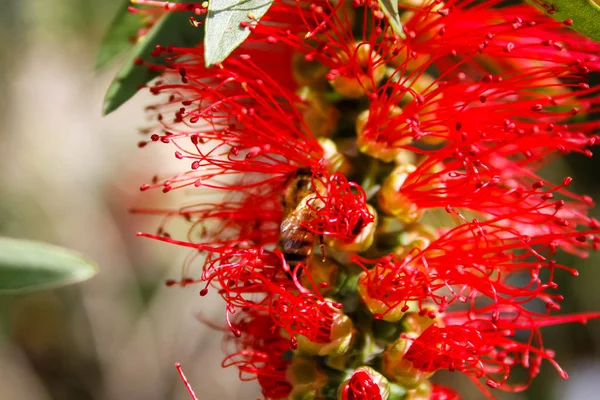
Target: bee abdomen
{"x":300,"y":246}
{"x":294,"y":259}
{"x":296,"y":245}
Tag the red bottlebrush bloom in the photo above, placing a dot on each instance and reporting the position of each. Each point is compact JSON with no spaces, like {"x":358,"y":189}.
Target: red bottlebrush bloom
{"x":257,"y":279}
{"x":233,"y":123}
{"x":257,"y":351}
{"x":340,"y":208}
{"x":324,"y":120}
{"x":304,"y":315}
{"x":361,"y":387}
{"x":468,"y":262}
{"x":481,"y":345}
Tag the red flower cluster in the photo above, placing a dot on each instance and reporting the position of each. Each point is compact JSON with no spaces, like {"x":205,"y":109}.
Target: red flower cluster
{"x":335,"y":139}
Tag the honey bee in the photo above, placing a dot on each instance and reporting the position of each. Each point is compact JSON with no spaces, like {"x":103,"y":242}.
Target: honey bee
{"x":296,"y":242}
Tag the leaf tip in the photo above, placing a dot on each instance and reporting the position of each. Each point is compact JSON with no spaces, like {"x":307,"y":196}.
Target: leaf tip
{"x":109,"y":104}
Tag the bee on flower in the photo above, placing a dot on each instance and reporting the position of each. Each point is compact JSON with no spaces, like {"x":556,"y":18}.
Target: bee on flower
{"x":378,"y":188}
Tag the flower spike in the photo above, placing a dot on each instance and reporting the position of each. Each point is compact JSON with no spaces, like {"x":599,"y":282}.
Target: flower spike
{"x":378,"y":211}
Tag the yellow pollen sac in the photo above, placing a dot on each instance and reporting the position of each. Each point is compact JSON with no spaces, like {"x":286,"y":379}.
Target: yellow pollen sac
{"x":373,"y":72}
{"x":393,"y":202}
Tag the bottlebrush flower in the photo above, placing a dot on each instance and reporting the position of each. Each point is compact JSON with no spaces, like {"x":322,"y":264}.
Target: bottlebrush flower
{"x":336,"y":143}
{"x":257,"y":351}
{"x":465,"y":264}
{"x":481,"y":345}
{"x":365,"y":384}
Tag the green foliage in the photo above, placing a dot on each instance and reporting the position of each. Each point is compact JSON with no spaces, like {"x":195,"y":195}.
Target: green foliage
{"x":172,"y":29}
{"x":390,"y":9}
{"x":119,"y":36}
{"x":584,"y":13}
{"x":223,"y":32}
{"x":27,"y":266}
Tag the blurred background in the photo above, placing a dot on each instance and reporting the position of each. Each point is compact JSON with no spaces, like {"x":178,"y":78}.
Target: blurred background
{"x":69,"y":177}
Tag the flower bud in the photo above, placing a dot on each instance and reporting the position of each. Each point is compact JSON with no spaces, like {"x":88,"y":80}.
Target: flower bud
{"x":307,"y":72}
{"x":364,"y":347}
{"x":422,"y":3}
{"x":416,"y":323}
{"x":340,"y":337}
{"x":432,"y":19}
{"x":346,"y":12}
{"x":362,"y":241}
{"x":305,"y":377}
{"x":419,"y":84}
{"x":319,"y":274}
{"x":365,"y":383}
{"x":410,"y":63}
{"x":421,"y":392}
{"x":389,"y":225}
{"x":395,"y":203}
{"x":417,"y":236}
{"x":404,"y":157}
{"x":377,"y":307}
{"x":320,"y":116}
{"x":363,"y":59}
{"x":367,"y":137}
{"x":334,"y":160}
{"x":423,"y":89}
{"x":400,"y":370}
{"x":386,"y":331}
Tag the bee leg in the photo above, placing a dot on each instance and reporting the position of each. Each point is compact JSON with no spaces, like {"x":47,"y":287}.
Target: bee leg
{"x":322,"y":248}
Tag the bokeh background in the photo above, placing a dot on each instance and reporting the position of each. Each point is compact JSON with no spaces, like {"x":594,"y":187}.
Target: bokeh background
{"x":69,"y":176}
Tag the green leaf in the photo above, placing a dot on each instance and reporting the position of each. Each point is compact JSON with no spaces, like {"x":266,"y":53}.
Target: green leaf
{"x":584,"y":13}
{"x":27,"y":266}
{"x":223,"y":32}
{"x":173,"y":29}
{"x":390,"y":9}
{"x":120,"y":35}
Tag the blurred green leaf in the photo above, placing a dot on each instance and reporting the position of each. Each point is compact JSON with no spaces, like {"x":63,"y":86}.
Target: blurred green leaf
{"x":122,"y":30}
{"x":27,"y":266}
{"x":174,"y":29}
{"x":223,"y":31}
{"x":584,"y":13}
{"x":390,"y":9}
